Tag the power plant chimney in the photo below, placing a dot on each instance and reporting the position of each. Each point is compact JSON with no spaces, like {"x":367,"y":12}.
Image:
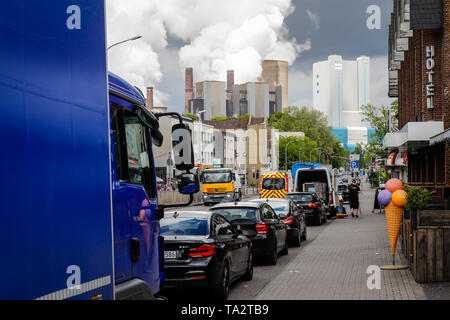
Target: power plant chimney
{"x":230,"y":84}
{"x":189,"y":88}
{"x":150,"y":98}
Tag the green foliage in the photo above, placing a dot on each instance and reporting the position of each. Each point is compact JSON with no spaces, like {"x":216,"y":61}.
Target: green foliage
{"x":296,"y":147}
{"x":220,"y":118}
{"x":192,"y":116}
{"x":245,"y":116}
{"x":315,"y":126}
{"x":378,"y":118}
{"x":417,"y":198}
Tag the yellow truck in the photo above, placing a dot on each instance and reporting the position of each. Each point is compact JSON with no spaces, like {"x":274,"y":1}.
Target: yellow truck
{"x":220,"y":185}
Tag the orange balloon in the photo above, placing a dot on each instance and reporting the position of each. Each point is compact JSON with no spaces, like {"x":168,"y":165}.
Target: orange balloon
{"x":393,"y":185}
{"x":399,"y":198}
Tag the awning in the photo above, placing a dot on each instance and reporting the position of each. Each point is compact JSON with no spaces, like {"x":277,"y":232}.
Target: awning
{"x":440,"y":137}
{"x":413,"y":136}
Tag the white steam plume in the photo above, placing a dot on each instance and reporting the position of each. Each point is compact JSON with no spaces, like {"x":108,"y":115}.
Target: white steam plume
{"x":231,"y":34}
{"x":218,"y":35}
{"x":137,"y":61}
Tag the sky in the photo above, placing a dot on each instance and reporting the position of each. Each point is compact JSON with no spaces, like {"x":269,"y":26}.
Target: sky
{"x":215,"y":35}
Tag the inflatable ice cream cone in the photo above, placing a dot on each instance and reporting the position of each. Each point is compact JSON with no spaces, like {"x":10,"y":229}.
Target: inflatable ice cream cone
{"x":394,"y":216}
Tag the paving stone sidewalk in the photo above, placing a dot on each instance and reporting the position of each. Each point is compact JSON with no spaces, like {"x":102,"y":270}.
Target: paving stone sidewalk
{"x":334,"y":266}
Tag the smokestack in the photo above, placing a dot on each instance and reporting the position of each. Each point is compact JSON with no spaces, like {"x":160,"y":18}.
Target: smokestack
{"x":150,"y":98}
{"x":230,"y":84}
{"x":189,"y":88}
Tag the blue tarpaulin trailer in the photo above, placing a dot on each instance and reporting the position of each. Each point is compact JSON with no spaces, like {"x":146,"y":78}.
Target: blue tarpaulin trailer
{"x":55,"y":202}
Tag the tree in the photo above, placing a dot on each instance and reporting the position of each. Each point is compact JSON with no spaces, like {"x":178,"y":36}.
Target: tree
{"x":315,"y":126}
{"x":298,"y":149}
{"x":384,"y":120}
{"x":192,"y":116}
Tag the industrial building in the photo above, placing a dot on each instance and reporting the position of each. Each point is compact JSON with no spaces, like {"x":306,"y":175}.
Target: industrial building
{"x":340,"y":88}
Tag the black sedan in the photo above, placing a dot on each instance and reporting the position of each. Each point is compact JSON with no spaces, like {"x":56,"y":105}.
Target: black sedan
{"x":263,"y":227}
{"x":314,"y":209}
{"x":203,"y":250}
{"x":292,"y":216}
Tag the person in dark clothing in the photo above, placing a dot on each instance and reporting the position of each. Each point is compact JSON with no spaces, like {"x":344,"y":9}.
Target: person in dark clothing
{"x":354,"y":192}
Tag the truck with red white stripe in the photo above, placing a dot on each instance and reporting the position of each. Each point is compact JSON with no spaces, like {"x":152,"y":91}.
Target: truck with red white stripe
{"x":275,"y":184}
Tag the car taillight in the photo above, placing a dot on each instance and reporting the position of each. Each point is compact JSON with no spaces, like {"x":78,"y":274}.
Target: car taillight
{"x":312,"y":205}
{"x":202,"y":251}
{"x":288,"y":221}
{"x":261,"y":228}
{"x":331,"y":198}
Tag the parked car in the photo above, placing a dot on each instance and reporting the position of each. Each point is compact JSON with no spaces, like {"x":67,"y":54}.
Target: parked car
{"x":203,"y":250}
{"x":264,"y":227}
{"x":314,"y":208}
{"x":343,"y":192}
{"x":292,"y":216}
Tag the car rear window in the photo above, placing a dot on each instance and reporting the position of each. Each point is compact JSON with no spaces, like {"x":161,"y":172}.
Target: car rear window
{"x":238,"y":213}
{"x":300,"y":197}
{"x":184,"y":227}
{"x":342,"y":188}
{"x":279,"y":206}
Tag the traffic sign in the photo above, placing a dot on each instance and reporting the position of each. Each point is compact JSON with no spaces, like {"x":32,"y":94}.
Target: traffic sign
{"x":354,"y":164}
{"x":354,"y":157}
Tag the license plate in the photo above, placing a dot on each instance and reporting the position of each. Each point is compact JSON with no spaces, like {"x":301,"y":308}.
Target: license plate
{"x":170,"y":254}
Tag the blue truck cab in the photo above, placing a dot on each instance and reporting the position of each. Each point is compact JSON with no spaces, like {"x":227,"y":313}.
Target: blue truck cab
{"x":80,"y":213}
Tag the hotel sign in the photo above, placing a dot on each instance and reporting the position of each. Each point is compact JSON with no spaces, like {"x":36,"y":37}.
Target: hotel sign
{"x":430,"y":64}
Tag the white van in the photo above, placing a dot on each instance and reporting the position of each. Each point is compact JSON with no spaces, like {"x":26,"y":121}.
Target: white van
{"x":317,"y":175}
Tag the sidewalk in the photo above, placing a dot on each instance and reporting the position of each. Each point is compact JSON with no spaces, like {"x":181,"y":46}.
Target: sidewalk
{"x":334,"y":265}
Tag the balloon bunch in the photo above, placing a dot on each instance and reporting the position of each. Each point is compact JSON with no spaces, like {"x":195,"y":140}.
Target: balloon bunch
{"x":393,"y":198}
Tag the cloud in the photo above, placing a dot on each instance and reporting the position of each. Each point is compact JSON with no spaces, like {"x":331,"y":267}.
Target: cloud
{"x":379,"y":79}
{"x":137,"y":61}
{"x":300,"y":88}
{"x":314,"y":18}
{"x":215,"y":36}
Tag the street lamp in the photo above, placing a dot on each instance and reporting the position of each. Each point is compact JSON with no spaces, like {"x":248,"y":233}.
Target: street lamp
{"x":131,"y":39}
{"x":317,"y":149}
{"x":285,"y":154}
{"x":199,"y":114}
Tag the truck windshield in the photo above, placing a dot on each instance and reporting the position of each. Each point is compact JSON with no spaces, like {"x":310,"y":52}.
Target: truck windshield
{"x":184,"y":227}
{"x":273,"y":184}
{"x":216,"y":177}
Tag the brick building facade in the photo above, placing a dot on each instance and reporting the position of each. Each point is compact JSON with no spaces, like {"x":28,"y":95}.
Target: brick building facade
{"x":419,"y":69}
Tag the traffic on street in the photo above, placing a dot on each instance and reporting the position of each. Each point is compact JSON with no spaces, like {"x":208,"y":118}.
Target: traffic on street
{"x":192,"y":153}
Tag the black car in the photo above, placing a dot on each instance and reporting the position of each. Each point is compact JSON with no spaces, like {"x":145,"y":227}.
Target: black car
{"x":264,"y":228}
{"x":314,"y":209}
{"x":292,"y":216}
{"x":204,"y":250}
{"x":343,"y":192}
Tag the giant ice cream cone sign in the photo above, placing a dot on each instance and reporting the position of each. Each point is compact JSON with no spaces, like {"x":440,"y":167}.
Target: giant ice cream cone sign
{"x":394,"y":216}
{"x":394,"y":198}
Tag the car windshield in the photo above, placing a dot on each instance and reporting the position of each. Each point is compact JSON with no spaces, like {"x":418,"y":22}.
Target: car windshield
{"x":300,"y":197}
{"x":238,"y":213}
{"x":216,"y":177}
{"x":273,"y":184}
{"x":342,"y":188}
{"x":184,"y":227}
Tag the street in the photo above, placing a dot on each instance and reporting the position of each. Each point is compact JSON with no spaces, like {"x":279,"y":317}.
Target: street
{"x":331,"y":264}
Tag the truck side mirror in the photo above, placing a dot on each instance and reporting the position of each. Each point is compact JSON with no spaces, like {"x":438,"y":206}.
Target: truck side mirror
{"x":182,"y":147}
{"x":188,"y":183}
